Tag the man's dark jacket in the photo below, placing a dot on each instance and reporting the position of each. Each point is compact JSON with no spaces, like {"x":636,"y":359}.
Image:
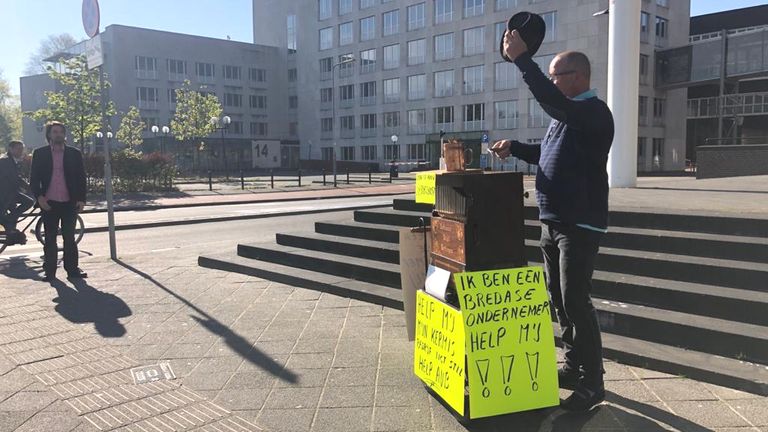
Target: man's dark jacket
{"x":11,"y":182}
{"x":42,"y":171}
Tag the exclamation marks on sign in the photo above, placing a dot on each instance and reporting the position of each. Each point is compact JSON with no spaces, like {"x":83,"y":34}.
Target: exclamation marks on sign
{"x":533,"y":369}
{"x":482,"y":368}
{"x":506,"y":371}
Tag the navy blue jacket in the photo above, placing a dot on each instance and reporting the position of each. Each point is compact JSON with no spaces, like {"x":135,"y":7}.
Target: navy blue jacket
{"x":571,"y":180}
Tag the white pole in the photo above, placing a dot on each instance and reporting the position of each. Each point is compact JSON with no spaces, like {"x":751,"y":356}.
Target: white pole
{"x":623,"y":85}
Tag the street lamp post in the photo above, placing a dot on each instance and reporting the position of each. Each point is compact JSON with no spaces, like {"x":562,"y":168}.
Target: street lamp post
{"x":347,"y":60}
{"x":395,"y":155}
{"x":166,"y":130}
{"x":222,"y":125}
{"x":108,"y":191}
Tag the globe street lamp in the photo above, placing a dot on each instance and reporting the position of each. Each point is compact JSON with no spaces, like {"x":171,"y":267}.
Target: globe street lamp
{"x":222,"y":125}
{"x":395,"y":154}
{"x":166,"y":130}
{"x":348,"y":59}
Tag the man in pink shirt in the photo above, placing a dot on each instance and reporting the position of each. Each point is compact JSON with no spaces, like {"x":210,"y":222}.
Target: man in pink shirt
{"x":57,"y":180}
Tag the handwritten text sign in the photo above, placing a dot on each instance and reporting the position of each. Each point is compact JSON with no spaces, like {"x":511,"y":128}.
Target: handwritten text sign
{"x":439,"y":351}
{"x":425,"y":187}
{"x":509,"y":340}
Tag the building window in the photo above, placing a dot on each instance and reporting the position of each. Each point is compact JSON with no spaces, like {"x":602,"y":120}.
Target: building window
{"x":327,"y":153}
{"x":346,"y":94}
{"x":367,"y":125}
{"x":367,"y":28}
{"x":172,"y":96}
{"x":326,"y":127}
{"x":177,"y":70}
{"x":444,"y":83}
{"x":444,"y":46}
{"x":417,"y":121}
{"x":499,"y":29}
{"x":232,"y":73}
{"x":443,"y":11}
{"x":149,"y":122}
{"x":347,"y":153}
{"x":506,"y":114}
{"x":291,"y":33}
{"x":662,"y":3}
{"x":417,"y":87}
{"x":368,"y":153}
{"x":345,"y":69}
{"x":474,"y":40}
{"x":205,"y":72}
{"x":258,"y":101}
{"x":391,"y":152}
{"x":417,"y":50}
{"x":146,"y":67}
{"x":662,"y":29}
{"x":544,"y":62}
{"x":658,"y":111}
{"x":147,"y":97}
{"x":368,"y":93}
{"x":416,"y":19}
{"x":258,"y":75}
{"x":347,"y":126}
{"x":417,"y":151}
{"x":235,"y":128}
{"x":537,"y":118}
{"x":345,"y":7}
{"x":391,"y":22}
{"x":391,"y":123}
{"x":473,"y":79}
{"x":474,"y":117}
{"x":392,"y":56}
{"x":392,"y":90}
{"x":506,"y":4}
{"x":550,"y":20}
{"x":293,"y":102}
{"x":345,"y":33}
{"x":365,"y":4}
{"x":643,"y":69}
{"x":233,"y":100}
{"x":642,"y":109}
{"x":324,"y":9}
{"x":326,"y":38}
{"x":368,"y":61}
{"x":505,"y":76}
{"x":645,"y":22}
{"x":293,"y":75}
{"x":658,"y":154}
{"x":473,"y":8}
{"x":326,"y":95}
{"x":444,"y":119}
{"x":326,"y":68}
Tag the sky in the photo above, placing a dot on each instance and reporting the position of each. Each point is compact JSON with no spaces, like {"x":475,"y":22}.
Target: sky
{"x":24,"y":23}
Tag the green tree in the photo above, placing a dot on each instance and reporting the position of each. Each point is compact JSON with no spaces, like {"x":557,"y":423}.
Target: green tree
{"x":194,"y":110}
{"x":78,"y":103}
{"x":10,"y":113}
{"x":49,"y":46}
{"x":131,"y":129}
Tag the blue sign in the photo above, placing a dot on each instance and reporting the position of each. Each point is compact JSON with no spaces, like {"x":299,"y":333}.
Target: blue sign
{"x":91,"y":17}
{"x":485,"y":138}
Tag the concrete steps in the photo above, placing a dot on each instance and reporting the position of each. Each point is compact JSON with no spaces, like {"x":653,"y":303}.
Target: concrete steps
{"x":684,"y":300}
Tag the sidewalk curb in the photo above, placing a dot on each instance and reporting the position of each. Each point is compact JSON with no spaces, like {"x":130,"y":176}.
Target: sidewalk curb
{"x":210,"y":204}
{"x":135,"y":226}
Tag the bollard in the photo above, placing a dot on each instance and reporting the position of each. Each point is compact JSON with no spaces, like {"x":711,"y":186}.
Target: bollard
{"x":390,"y":175}
{"x":210,"y":181}
{"x":347,"y":176}
{"x":299,"y":178}
{"x":370,"y":170}
{"x":323,"y":176}
{"x":272,"y":178}
{"x":242,"y":181}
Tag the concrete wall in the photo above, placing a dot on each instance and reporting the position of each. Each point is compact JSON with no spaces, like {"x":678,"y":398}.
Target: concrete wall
{"x":731,"y":160}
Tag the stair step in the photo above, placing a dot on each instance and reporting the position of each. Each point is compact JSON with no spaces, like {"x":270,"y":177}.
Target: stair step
{"x":392,"y":217}
{"x":351,"y":229}
{"x":365,"y":270}
{"x":368,"y":249}
{"x":289,"y":275}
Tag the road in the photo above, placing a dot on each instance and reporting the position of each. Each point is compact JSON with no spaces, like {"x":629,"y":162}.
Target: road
{"x":204,"y":237}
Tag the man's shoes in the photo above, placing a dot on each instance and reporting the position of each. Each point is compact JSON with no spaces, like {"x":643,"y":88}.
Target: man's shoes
{"x":568,"y":378}
{"x":77,"y":274}
{"x":583,"y":399}
{"x":48,"y":278}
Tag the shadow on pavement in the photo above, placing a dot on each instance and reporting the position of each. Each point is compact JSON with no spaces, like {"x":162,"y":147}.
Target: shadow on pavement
{"x":85,"y":304}
{"x":649,"y":412}
{"x":20,"y":268}
{"x":238,"y":343}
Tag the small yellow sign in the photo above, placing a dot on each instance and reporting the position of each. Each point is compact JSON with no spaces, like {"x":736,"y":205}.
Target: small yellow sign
{"x":425,"y":187}
{"x":510,"y":344}
{"x":439,"y":349}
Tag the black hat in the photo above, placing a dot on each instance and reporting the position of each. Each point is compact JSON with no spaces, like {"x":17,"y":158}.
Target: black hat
{"x":531,"y":28}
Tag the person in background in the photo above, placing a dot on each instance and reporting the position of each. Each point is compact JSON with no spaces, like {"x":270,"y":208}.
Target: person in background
{"x":13,"y":199}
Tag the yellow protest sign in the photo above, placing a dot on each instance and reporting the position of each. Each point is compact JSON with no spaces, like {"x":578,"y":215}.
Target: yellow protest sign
{"x":509,"y":341}
{"x":425,"y":187}
{"x":439,"y":349}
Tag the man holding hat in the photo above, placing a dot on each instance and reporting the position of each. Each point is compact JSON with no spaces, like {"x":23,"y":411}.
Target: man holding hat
{"x":572,"y":193}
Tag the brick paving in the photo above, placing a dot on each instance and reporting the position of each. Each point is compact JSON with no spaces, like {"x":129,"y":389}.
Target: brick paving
{"x":254,"y":355}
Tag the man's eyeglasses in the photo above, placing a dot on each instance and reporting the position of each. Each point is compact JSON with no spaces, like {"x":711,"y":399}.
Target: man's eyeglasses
{"x":559,"y":74}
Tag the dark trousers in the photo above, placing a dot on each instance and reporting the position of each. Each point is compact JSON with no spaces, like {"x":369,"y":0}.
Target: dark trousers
{"x":569,"y":260}
{"x":22,"y":204}
{"x":64,"y":214}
